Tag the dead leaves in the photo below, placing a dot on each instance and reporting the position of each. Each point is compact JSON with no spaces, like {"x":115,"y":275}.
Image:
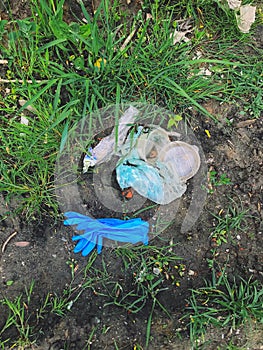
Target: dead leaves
{"x":184,"y":27}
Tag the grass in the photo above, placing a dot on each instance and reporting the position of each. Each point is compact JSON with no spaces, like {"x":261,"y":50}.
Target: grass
{"x":63,"y":71}
{"x":25,"y":316}
{"x":146,"y":268}
{"x":18,"y":318}
{"x":224,"y":304}
{"x":229,"y":223}
{"x":228,"y":227}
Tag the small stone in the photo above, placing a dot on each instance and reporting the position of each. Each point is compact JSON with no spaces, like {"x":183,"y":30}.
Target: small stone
{"x":156,"y":271}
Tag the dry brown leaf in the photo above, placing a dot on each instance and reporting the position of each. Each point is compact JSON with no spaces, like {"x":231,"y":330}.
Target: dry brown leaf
{"x":245,"y":123}
{"x":184,"y":28}
{"x":22,"y":244}
{"x":180,"y":36}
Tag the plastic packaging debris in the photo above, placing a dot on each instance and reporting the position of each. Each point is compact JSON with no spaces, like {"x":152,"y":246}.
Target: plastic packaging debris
{"x":89,"y":160}
{"x":245,"y":14}
{"x":157,"y":182}
{"x":150,"y":145}
{"x":158,"y":168}
{"x":182,"y":158}
{"x":246,"y":18}
{"x":142,"y":177}
{"x":108,"y":146}
{"x":96,"y":230}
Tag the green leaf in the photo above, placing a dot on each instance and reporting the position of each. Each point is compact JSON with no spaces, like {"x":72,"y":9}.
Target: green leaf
{"x":64,"y":137}
{"x":79,"y":63}
{"x":59,"y":28}
{"x":33,"y":99}
{"x":56,"y":42}
{"x":2,"y":26}
{"x":9,"y":283}
{"x":173,"y":121}
{"x":85,"y":30}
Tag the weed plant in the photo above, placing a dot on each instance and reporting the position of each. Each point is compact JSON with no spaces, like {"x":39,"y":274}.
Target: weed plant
{"x":228,"y":226}
{"x":222,"y":303}
{"x":18,"y":318}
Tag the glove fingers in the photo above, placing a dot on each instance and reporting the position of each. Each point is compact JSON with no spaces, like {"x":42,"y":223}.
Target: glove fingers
{"x":88,"y":248}
{"x":99,"y":244}
{"x":81,"y":245}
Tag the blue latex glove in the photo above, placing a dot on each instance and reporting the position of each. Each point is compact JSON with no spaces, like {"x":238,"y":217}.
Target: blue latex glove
{"x":126,"y":231}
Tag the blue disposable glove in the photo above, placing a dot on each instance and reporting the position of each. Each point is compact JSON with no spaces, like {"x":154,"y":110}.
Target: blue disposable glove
{"x":126,"y":231}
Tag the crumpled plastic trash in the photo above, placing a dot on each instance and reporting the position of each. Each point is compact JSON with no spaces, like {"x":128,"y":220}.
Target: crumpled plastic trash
{"x":157,"y":168}
{"x":149,"y":145}
{"x":109,"y":146}
{"x":182,"y":158}
{"x":245,"y":14}
{"x":246,"y":18}
{"x":95,"y":230}
{"x":158,"y":183}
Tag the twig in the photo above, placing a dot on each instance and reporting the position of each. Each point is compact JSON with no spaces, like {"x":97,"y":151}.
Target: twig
{"x":245,"y":123}
{"x":7,"y":81}
{"x":128,"y":39}
{"x":8,"y":239}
